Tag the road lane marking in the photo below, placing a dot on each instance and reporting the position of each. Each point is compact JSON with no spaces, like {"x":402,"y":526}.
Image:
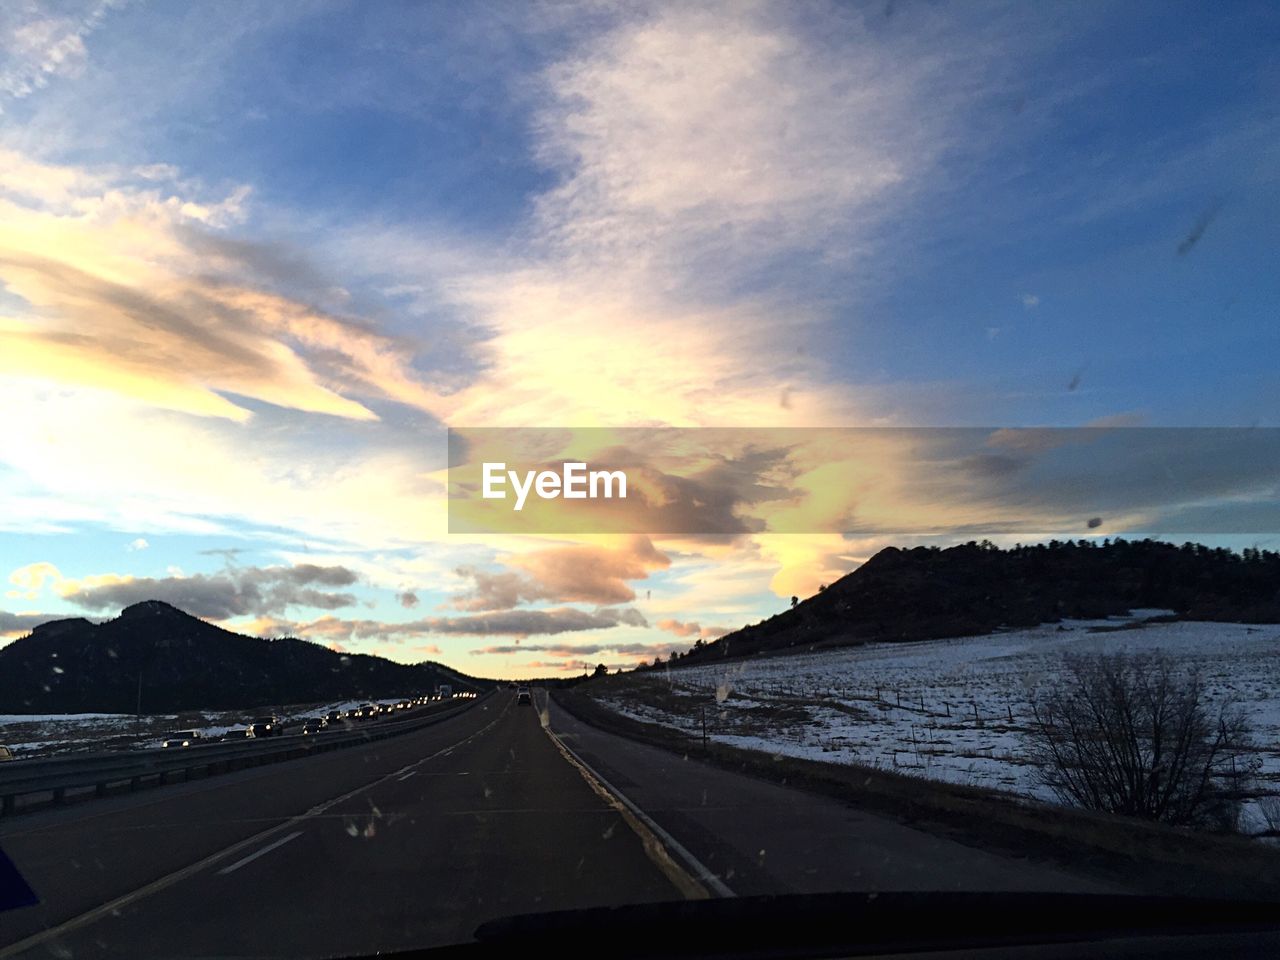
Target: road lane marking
{"x":411,"y":773}
{"x":692,"y":878}
{"x":112,"y":906}
{"x":254,"y":856}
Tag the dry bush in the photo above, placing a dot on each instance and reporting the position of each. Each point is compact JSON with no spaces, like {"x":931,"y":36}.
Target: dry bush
{"x":1136,"y":735}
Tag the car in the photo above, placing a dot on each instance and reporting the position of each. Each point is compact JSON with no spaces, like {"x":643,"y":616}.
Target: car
{"x":333,"y":716}
{"x":5,"y":754}
{"x":257,"y":730}
{"x":524,"y":696}
{"x":313,"y":725}
{"x":511,"y":685}
{"x":270,"y":726}
{"x":238,"y":734}
{"x":184,"y":738}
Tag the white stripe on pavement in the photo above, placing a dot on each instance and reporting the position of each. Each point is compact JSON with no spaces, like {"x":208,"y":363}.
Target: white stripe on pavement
{"x":254,"y":856}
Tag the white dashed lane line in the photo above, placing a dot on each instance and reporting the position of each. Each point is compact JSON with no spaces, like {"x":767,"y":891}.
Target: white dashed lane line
{"x":232,"y":868}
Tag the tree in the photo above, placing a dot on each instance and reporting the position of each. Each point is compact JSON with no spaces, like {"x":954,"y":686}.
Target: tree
{"x":794,"y":601}
{"x":1131,"y":734}
{"x":601,"y":670}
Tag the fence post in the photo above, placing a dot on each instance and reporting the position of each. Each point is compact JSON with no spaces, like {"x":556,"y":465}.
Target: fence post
{"x":704,"y":724}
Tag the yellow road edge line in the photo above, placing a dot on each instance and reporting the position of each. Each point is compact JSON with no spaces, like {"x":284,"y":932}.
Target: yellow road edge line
{"x":688,"y":885}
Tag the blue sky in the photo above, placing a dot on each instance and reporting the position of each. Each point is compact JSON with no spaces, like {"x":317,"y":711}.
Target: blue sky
{"x":255,"y":257}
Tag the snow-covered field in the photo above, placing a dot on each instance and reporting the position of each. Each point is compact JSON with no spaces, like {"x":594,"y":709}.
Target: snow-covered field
{"x":46,"y":734}
{"x":951,"y":710}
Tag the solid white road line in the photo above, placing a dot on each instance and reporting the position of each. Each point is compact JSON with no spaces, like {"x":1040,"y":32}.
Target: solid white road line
{"x":411,"y":773}
{"x":254,"y":856}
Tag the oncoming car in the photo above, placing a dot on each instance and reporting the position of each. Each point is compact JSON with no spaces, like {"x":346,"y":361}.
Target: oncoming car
{"x":184,"y":738}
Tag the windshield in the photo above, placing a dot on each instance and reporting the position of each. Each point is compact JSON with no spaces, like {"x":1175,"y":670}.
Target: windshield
{"x":571,"y":455}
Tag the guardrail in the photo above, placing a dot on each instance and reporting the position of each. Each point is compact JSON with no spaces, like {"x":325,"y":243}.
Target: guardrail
{"x":99,"y":773}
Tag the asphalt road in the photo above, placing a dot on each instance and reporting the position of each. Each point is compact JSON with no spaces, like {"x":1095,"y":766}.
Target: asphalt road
{"x":757,"y":837}
{"x":413,"y":841}
{"x":417,"y":840}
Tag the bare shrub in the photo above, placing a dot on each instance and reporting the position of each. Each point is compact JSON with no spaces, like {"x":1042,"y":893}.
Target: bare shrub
{"x":1135,"y":735}
{"x":1269,"y":809}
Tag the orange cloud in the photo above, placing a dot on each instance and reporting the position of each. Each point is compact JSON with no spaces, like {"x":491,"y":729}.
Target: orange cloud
{"x":583,"y":573}
{"x":124,"y":291}
{"x":691,"y":629}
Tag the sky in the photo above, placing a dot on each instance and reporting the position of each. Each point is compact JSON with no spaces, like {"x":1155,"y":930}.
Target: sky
{"x":256,"y":259}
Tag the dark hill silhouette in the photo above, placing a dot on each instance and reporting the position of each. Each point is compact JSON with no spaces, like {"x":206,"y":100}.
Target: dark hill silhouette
{"x":927,"y":593}
{"x":72,"y":666}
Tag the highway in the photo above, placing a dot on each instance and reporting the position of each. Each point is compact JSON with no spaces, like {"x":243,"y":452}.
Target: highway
{"x":417,"y":840}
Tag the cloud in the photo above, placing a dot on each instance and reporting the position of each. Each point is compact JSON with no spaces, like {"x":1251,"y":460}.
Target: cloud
{"x":590,"y":573}
{"x":516,"y":623}
{"x":407,"y":599}
{"x":29,"y":580}
{"x":524,"y":623}
{"x":1030,"y":301}
{"x":148,"y":286}
{"x":586,"y":573}
{"x":35,"y":48}
{"x":698,"y":149}
{"x":247,"y":591}
{"x":693,"y":130}
{"x":138,"y":544}
{"x":573,"y":655}
{"x":562,"y":666}
{"x":499,"y":590}
{"x":124,"y":288}
{"x":14,"y":625}
{"x":691,"y":629}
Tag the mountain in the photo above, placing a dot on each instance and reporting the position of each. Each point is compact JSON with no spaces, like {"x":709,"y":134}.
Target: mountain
{"x":184,"y":663}
{"x":927,"y":593}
